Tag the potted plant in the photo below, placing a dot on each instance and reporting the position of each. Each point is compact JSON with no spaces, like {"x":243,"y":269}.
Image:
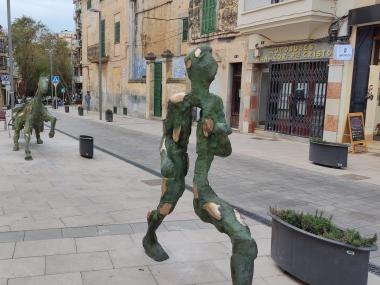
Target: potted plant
{"x":328,"y":153}
{"x":109,"y":115}
{"x":376,"y":135}
{"x":313,"y":249}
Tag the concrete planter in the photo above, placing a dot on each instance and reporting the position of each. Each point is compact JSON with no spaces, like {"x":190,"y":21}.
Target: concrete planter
{"x":109,"y":116}
{"x":80,"y":111}
{"x":317,"y":260}
{"x":328,"y":154}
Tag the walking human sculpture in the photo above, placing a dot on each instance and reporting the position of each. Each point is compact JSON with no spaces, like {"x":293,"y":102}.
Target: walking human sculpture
{"x":31,"y":116}
{"x":212,"y":140}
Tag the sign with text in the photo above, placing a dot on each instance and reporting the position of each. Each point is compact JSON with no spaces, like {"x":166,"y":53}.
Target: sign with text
{"x":5,"y":79}
{"x":354,"y":131}
{"x":343,"y":52}
{"x":291,"y":53}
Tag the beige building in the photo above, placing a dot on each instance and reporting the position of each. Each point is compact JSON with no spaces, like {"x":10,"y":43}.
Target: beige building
{"x":133,"y":33}
{"x":306,"y":68}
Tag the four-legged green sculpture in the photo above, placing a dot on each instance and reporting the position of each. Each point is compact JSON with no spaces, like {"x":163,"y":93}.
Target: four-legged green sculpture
{"x":31,"y":117}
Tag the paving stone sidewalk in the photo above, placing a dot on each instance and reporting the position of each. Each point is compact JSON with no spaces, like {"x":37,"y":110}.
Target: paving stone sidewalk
{"x":67,"y":220}
{"x":261,"y":171}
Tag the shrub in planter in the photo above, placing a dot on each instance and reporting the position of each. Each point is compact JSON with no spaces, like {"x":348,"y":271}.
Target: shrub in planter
{"x":109,"y":115}
{"x":313,"y":249}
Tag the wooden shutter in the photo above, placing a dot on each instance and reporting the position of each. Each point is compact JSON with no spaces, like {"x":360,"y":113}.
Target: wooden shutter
{"x":117,"y":32}
{"x":208,"y":16}
{"x":103,"y":37}
{"x":185,"y":29}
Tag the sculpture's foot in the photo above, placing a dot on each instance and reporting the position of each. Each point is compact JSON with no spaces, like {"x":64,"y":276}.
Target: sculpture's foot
{"x":51,"y":134}
{"x":16,"y":148}
{"x":153,"y":249}
{"x":28,"y":155}
{"x":39,"y":141}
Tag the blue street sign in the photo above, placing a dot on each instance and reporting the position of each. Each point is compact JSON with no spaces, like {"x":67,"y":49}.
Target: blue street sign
{"x":5,"y":79}
{"x":55,"y":79}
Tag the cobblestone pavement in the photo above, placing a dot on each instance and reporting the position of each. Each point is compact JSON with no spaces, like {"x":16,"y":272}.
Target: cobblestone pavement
{"x":251,"y":178}
{"x":67,"y":220}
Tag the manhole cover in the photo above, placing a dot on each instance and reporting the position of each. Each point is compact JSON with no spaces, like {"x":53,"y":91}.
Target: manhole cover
{"x":354,"y":177}
{"x":152,"y":182}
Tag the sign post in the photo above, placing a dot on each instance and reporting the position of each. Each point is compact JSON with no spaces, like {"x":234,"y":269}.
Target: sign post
{"x":55,"y":80}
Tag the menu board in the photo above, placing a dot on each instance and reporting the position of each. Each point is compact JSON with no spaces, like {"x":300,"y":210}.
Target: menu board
{"x":357,"y":127}
{"x":354,"y":131}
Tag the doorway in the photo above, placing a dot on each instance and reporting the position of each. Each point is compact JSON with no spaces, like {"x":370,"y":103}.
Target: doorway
{"x":235,"y":95}
{"x":263,"y":97}
{"x":157,"y":102}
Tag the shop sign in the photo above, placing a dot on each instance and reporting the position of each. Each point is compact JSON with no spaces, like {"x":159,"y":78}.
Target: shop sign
{"x":343,"y":52}
{"x":290,"y":53}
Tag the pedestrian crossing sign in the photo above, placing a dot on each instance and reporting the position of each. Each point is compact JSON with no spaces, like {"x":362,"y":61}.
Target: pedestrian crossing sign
{"x":55,"y":80}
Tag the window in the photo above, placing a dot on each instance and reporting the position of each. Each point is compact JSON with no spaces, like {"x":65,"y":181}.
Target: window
{"x":208,"y":16}
{"x":117,"y":32}
{"x":103,"y":37}
{"x":89,"y":4}
{"x":185,"y":29}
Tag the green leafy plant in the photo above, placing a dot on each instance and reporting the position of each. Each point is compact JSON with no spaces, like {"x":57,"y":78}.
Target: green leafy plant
{"x":321,"y":225}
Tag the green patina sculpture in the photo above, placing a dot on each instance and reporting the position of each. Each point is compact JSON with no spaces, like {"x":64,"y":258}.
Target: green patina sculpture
{"x":31,"y":116}
{"x":212,"y":140}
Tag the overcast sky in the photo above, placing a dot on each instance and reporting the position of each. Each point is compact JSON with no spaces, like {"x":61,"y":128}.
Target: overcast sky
{"x":57,"y":15}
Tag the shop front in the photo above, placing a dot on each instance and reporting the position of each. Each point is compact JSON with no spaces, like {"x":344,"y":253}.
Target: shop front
{"x":365,"y":92}
{"x":292,"y":83}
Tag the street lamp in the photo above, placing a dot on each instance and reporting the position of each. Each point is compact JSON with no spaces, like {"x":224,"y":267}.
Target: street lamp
{"x":50,"y":52}
{"x":100,"y":61}
{"x":10,"y":54}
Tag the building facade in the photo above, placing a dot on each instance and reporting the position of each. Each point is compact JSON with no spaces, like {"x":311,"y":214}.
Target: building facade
{"x":3,"y":65}
{"x":294,"y":83}
{"x":278,"y":71}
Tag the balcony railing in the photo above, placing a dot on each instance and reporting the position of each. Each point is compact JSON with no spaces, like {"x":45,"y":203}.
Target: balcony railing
{"x":254,"y":4}
{"x":93,"y":54}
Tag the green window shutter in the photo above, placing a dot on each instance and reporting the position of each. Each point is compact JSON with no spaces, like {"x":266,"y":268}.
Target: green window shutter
{"x":208,"y":16}
{"x":103,"y":37}
{"x":89,"y":4}
{"x":185,"y":29}
{"x":117,"y":32}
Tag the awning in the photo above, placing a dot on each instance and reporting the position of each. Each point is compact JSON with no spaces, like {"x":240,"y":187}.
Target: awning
{"x":364,"y":15}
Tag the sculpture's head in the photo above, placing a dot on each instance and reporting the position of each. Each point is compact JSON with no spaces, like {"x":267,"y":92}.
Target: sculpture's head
{"x":201,"y":66}
{"x":43,"y":84}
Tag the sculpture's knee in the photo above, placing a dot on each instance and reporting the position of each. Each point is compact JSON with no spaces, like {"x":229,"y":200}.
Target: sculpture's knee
{"x":245,"y":247}
{"x":165,"y":209}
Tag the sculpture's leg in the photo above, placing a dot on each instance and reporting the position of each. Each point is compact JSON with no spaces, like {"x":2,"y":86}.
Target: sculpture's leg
{"x":38,"y":135}
{"x":27,"y":134}
{"x":211,"y":209}
{"x":172,"y":190}
{"x":52,"y":120}
{"x":16,"y":136}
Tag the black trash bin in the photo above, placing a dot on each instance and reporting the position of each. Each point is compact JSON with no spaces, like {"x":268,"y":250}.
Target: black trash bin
{"x":67,"y":108}
{"x":86,"y":146}
{"x":115,"y":110}
{"x":109,"y":116}
{"x":80,"y":111}
{"x":125,"y":111}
